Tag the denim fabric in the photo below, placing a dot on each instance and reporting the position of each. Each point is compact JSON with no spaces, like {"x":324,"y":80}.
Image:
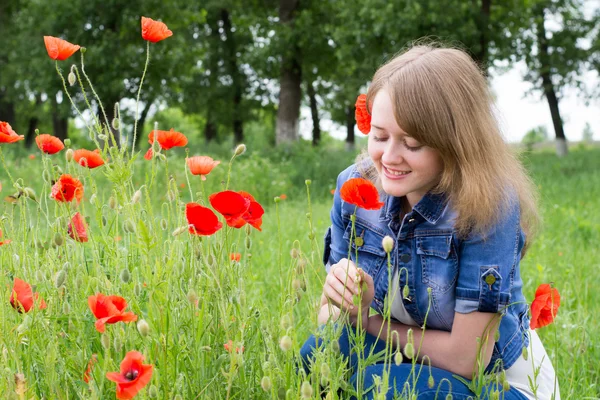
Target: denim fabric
{"x":464,"y":275}
{"x":398,"y":374}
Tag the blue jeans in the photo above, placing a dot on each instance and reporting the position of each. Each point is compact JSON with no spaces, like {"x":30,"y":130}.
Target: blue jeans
{"x":398,"y":374}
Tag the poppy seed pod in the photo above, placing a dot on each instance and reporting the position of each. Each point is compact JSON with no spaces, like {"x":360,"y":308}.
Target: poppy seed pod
{"x":69,"y":155}
{"x":265,"y":383}
{"x":388,"y":244}
{"x":143,"y":327}
{"x":239,"y":150}
{"x":115,"y":123}
{"x":285,"y":343}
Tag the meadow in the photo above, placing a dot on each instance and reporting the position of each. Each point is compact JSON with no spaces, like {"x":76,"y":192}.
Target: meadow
{"x":219,"y":328}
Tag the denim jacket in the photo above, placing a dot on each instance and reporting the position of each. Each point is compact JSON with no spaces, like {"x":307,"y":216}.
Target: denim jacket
{"x":464,"y":275}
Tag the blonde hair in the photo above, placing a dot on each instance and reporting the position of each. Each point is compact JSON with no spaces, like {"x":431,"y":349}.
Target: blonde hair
{"x":442,"y":99}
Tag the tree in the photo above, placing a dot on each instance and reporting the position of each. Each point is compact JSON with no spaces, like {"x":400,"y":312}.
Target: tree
{"x":534,"y":136}
{"x":588,"y":133}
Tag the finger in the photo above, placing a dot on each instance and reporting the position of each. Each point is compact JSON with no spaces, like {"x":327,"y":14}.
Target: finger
{"x":336,"y":299}
{"x":367,"y":279}
{"x":338,"y":286}
{"x":348,"y":279}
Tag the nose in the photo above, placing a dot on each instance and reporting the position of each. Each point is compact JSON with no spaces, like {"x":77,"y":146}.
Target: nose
{"x":393,"y":154}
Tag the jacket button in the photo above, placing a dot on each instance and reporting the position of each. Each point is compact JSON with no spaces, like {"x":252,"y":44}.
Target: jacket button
{"x":411,"y":220}
{"x":405,"y":258}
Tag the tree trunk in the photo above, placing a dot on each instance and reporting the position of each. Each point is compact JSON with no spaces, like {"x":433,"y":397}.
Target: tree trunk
{"x":142,"y":122}
{"x":484,"y":19}
{"x":236,"y":77}
{"x":350,"y":122}
{"x":210,"y":129}
{"x":314,"y":112}
{"x":549,"y":91}
{"x":290,"y":93}
{"x":60,"y":126}
{"x":7,"y":111}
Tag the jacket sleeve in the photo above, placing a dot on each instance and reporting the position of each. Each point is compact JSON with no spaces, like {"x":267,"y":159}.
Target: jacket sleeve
{"x":487,"y":266}
{"x":336,"y":247}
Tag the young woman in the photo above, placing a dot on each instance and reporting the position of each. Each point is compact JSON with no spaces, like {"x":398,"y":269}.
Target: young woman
{"x":461,"y":212}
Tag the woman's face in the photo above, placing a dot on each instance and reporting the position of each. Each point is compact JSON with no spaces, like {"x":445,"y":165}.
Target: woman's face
{"x":405,"y":166}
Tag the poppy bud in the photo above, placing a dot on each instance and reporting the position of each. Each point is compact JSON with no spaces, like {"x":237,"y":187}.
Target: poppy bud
{"x":163,"y":224}
{"x":239,"y":150}
{"x":449,"y":396}
{"x":388,"y":244}
{"x":104,"y":221}
{"x":153,"y":392}
{"x":78,"y":282}
{"x":335,"y":346}
{"x":143,"y":327}
{"x":325,"y":370}
{"x":136,"y":196}
{"x":248,"y":242}
{"x":306,"y":390}
{"x":60,"y":278}
{"x":69,"y":155}
{"x":525,"y":353}
{"x":405,"y":291}
{"x":192,"y":297}
{"x":58,"y":239}
{"x":311,"y":235}
{"x":294,"y":253}
{"x":409,"y":351}
{"x":118,"y":344}
{"x":125,"y":275}
{"x":161,"y":156}
{"x":286,"y":322}
{"x":307,"y":182}
{"x":265,"y":383}
{"x":430,"y":382}
{"x":71,"y":78}
{"x":105,"y":341}
{"x":180,"y":230}
{"x":497,"y":335}
{"x":398,"y":358}
{"x":39,"y":276}
{"x":301,"y":265}
{"x":29,"y":192}
{"x":129,"y":226}
{"x":296,"y":284}
{"x":67,"y":142}
{"x":495,"y":395}
{"x":115,"y":123}
{"x":112,"y":203}
{"x":324,"y":380}
{"x":102,"y":136}
{"x":276,"y":199}
{"x":137,"y":289}
{"x":285,"y":343}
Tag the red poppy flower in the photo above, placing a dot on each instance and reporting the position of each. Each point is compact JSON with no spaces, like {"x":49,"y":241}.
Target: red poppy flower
{"x":79,"y":234}
{"x":361,"y":114}
{"x":109,"y":310}
{"x":49,"y":144}
{"x":361,"y":193}
{"x":154,"y":31}
{"x":133,"y":375}
{"x":87,"y":158}
{"x":67,"y":188}
{"x":201,"y":165}
{"x":3,"y":242}
{"x":7,"y":135}
{"x":22,"y":297}
{"x":545,"y":306}
{"x":235,"y":257}
{"x":88,"y":370}
{"x":59,"y":49}
{"x":230,"y":204}
{"x":229,"y":347}
{"x":283,"y":196}
{"x":166,"y":140}
{"x":253,"y":215}
{"x":202,"y":220}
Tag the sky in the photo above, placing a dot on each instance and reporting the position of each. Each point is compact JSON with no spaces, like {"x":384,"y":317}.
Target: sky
{"x":518,"y":113}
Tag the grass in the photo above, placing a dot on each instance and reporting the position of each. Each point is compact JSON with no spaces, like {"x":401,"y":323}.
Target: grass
{"x":195,"y":299}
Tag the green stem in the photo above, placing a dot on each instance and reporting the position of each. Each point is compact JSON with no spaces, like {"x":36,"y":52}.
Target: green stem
{"x":97,"y":99}
{"x":137,"y":100}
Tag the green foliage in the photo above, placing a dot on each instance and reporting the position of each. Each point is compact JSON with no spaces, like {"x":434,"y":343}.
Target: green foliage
{"x":534,"y":136}
{"x":588,"y":133}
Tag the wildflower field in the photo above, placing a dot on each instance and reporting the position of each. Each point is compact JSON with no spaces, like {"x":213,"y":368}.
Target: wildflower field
{"x":174,"y":277}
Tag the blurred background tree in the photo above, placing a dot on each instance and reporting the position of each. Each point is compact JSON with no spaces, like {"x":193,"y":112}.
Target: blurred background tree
{"x":539,"y":134}
{"x":235,"y":67}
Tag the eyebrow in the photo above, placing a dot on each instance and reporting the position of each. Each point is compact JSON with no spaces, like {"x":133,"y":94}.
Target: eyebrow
{"x":382,"y":129}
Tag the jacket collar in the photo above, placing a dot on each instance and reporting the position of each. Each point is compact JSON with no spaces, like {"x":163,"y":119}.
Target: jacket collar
{"x":431,"y":207}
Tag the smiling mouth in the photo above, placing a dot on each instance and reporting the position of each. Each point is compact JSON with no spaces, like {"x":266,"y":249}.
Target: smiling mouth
{"x":396,"y":173}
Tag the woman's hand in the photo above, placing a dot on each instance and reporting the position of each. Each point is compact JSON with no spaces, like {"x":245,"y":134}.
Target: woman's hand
{"x":345,"y":281}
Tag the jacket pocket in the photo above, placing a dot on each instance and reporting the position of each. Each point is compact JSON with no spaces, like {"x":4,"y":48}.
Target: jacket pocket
{"x":367,"y":244}
{"x":439,"y":263}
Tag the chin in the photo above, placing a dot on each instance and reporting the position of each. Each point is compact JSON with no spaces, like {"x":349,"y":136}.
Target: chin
{"x":393,"y":189}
